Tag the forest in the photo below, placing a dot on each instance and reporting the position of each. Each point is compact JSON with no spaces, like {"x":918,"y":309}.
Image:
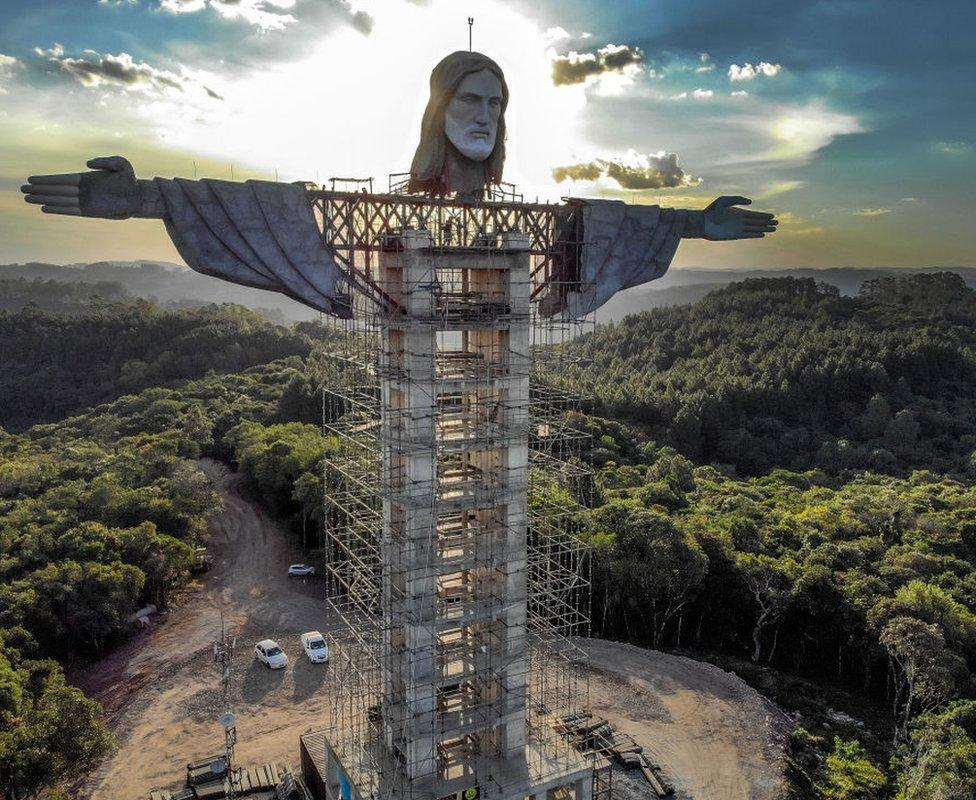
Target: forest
{"x":789,"y":373}
{"x":53,"y":365}
{"x":832,"y":566}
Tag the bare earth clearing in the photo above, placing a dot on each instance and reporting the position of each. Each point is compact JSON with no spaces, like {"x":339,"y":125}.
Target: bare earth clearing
{"x":714,"y":736}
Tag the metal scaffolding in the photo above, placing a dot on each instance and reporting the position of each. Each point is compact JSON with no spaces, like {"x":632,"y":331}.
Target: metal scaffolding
{"x":454,"y":510}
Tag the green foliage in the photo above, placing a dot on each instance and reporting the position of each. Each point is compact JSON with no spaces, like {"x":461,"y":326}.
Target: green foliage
{"x":49,"y":731}
{"x":786,"y":372}
{"x":850,"y":775}
{"x":939,"y":760}
{"x":285,"y":462}
{"x":51,"y":366}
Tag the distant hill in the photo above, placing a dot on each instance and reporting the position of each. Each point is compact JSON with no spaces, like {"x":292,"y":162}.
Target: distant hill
{"x":682,"y":286}
{"x":168,"y":285}
{"x":174,"y":286}
{"x":59,"y":297}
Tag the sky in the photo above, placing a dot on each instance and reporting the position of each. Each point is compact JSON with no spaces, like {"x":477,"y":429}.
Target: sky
{"x":853,"y":120}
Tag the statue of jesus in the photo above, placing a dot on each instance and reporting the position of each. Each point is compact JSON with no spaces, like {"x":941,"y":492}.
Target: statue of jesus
{"x":264,"y":234}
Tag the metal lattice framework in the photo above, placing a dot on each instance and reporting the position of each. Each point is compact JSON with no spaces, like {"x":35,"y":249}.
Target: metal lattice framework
{"x":355,"y":225}
{"x":470,"y":418}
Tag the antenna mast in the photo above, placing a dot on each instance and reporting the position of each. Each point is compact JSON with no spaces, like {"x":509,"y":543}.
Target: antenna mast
{"x":470,"y":26}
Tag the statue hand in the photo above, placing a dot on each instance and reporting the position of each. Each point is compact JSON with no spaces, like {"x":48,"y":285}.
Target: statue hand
{"x":110,"y":192}
{"x":724,"y":222}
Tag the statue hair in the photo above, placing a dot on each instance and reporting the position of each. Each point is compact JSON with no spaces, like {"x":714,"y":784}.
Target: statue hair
{"x":427,"y":169}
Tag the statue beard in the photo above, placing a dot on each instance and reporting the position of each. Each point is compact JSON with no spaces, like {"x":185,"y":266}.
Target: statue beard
{"x":475,"y":144}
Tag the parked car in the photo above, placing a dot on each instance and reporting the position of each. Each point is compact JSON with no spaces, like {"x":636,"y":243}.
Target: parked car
{"x":268,"y":652}
{"x":315,"y":647}
{"x":299,"y":570}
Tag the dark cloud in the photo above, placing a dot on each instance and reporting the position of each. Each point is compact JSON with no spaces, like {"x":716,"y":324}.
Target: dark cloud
{"x":577,"y":67}
{"x":362,"y":22}
{"x":95,"y":69}
{"x":657,"y":171}
{"x":578,"y":172}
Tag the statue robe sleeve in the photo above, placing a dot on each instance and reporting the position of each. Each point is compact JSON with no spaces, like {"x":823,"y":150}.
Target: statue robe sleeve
{"x":256,"y":233}
{"x":621,"y":246}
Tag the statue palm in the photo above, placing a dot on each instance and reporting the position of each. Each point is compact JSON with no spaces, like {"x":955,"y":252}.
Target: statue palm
{"x":723,"y":222}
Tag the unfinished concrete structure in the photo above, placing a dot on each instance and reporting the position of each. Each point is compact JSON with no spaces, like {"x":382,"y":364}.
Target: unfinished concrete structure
{"x":454,"y":667}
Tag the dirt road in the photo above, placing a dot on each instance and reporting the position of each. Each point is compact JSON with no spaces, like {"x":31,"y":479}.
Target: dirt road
{"x":161,"y":690}
{"x":713,"y":736}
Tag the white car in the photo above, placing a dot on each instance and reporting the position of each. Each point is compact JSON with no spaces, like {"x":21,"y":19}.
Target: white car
{"x":315,"y":647}
{"x":268,"y":652}
{"x":300,"y":570}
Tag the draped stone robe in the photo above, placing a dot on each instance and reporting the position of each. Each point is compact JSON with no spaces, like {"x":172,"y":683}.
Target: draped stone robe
{"x":264,"y":234}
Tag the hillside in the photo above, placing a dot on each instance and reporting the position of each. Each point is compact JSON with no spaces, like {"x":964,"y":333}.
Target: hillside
{"x":788,"y":372}
{"x":53,"y":365}
{"x":166,"y":285}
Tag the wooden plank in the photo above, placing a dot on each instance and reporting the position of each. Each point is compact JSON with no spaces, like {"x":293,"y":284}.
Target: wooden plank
{"x":655,"y":783}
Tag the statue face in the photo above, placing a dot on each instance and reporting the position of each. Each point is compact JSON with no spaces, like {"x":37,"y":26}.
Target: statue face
{"x":471,"y":118}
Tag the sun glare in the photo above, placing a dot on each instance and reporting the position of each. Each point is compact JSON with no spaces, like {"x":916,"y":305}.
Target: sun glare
{"x":353,"y":108}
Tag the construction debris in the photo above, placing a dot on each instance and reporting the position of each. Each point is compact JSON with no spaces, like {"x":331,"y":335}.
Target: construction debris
{"x":207,"y":779}
{"x":597,"y":734}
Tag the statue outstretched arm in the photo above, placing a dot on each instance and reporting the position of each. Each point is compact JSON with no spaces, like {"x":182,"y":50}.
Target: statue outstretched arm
{"x":256,"y":233}
{"x":627,"y":245}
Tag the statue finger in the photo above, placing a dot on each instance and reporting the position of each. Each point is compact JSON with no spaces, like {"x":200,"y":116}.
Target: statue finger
{"x":68,"y":179}
{"x":733,"y":200}
{"x":757,"y":215}
{"x":50,"y":200}
{"x":54,"y":190}
{"x":752,"y":235}
{"x":74,"y":212}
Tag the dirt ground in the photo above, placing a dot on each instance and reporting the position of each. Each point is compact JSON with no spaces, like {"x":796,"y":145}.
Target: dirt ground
{"x":714,"y":737}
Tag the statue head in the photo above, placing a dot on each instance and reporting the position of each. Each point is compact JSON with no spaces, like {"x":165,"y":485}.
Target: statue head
{"x":466,"y":112}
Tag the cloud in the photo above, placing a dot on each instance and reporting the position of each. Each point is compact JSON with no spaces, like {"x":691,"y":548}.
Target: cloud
{"x":555,"y":34}
{"x":637,"y":171}
{"x":802,"y":130}
{"x":268,"y":15}
{"x":579,"y":67}
{"x":778,"y":188}
{"x":872,"y":212}
{"x":957,"y":148}
{"x":94,"y":70}
{"x":7,"y":66}
{"x":698,"y":94}
{"x":739,"y":93}
{"x":747,"y":71}
{"x":362,"y":22}
{"x":706,"y":64}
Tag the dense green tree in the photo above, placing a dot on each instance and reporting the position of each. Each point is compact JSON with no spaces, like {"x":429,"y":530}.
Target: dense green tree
{"x":939,"y":760}
{"x":49,"y":731}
